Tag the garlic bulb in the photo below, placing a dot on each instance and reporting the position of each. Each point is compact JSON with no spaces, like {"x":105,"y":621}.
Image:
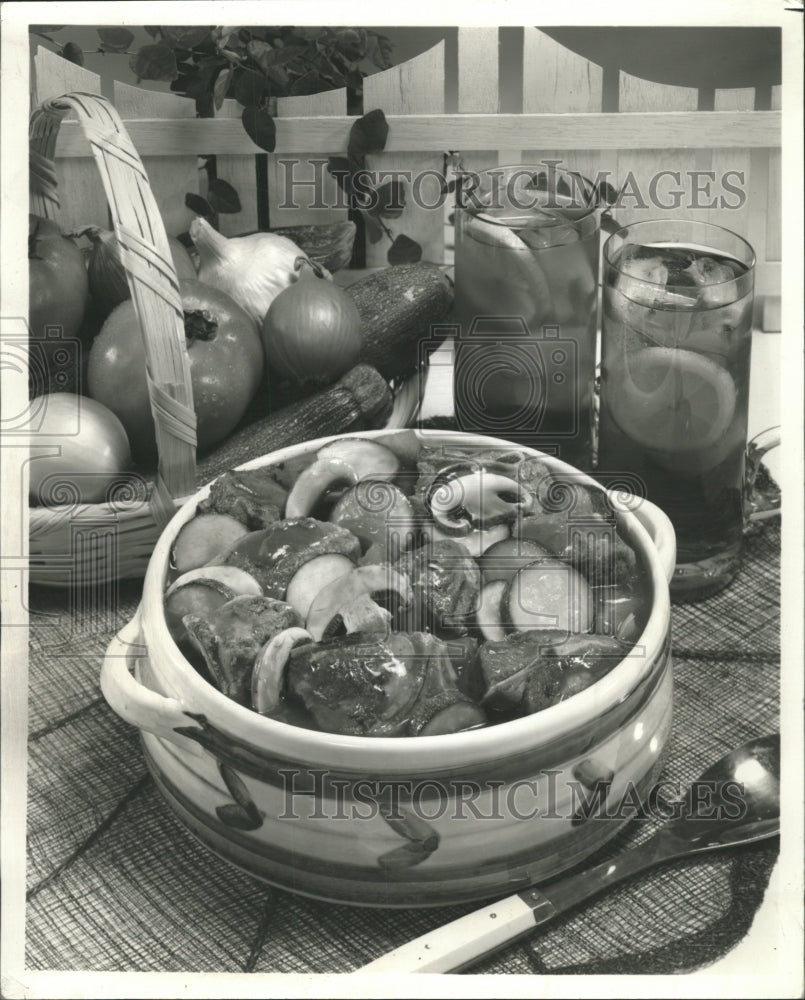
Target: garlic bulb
{"x":252,"y":269}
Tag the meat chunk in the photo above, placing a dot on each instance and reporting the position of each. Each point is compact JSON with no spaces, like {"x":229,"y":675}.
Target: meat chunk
{"x":233,"y":636}
{"x":254,"y":497}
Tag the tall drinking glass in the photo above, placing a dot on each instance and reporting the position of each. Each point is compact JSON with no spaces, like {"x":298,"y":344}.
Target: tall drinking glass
{"x":676,"y":343}
{"x":526,"y":297}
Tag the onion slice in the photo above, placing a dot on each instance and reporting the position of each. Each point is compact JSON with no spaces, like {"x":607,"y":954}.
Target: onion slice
{"x":269,"y":668}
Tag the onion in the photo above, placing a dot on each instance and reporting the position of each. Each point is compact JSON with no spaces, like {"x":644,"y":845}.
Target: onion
{"x":107,"y":276}
{"x":312,"y":332}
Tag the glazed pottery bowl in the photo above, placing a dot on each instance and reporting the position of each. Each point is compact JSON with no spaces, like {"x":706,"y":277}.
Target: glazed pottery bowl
{"x":402,"y":821}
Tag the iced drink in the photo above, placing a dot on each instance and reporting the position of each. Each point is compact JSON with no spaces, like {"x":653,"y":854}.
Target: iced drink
{"x":526,"y":291}
{"x":676,"y":340}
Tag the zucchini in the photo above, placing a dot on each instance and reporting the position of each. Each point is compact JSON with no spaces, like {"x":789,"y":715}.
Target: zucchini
{"x":398,"y":306}
{"x":329,"y":245}
{"x":359,"y":400}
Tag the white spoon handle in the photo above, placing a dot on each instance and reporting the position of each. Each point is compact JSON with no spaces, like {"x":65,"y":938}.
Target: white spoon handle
{"x":462,"y":941}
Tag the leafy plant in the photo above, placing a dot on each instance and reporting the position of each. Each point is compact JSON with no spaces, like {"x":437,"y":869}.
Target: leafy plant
{"x":254,"y":66}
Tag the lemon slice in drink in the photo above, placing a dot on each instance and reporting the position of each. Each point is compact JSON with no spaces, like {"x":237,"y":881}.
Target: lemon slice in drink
{"x":499,"y":273}
{"x":673,"y":401}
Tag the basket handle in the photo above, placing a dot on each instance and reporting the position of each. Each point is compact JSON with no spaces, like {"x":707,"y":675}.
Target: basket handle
{"x":146,"y":258}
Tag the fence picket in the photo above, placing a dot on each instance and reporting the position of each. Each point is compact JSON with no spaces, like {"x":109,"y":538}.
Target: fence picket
{"x":417,"y":86}
{"x":774,"y":236}
{"x":82,"y":199}
{"x":646,"y":165}
{"x":560,"y":81}
{"x":295,"y":165}
{"x":735,"y":160}
{"x":170,"y":177}
{"x":478,"y":90}
{"x":241,"y":172}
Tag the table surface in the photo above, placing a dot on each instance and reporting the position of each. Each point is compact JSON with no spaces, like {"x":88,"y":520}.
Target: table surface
{"x":114,"y":883}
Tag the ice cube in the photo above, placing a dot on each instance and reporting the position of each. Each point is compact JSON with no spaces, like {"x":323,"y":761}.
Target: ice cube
{"x":641,"y":279}
{"x":715,"y":280}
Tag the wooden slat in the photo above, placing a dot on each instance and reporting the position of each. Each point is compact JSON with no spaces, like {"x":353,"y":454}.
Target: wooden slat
{"x":437,"y":132}
{"x":81,"y":194}
{"x":557,"y":80}
{"x":414,"y":88}
{"x":296,"y":165}
{"x":241,"y":172}
{"x":171,"y":177}
{"x":738,"y":161}
{"x":478,"y":86}
{"x":645,"y":163}
{"x":774,"y":239}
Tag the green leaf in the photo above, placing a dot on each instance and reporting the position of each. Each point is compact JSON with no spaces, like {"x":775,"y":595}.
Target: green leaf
{"x":201,"y":207}
{"x":153,"y":30}
{"x":250,"y":88}
{"x":260,"y":128}
{"x":374,"y":230}
{"x":338,"y":167}
{"x":223,"y":197}
{"x":380,"y":50}
{"x":352,"y":43}
{"x":391,"y":199}
{"x":404,"y":250}
{"x":368,"y":134}
{"x":73,"y":53}
{"x":266,"y":55}
{"x":185,"y":37}
{"x":310,"y":83}
{"x":222,"y":82}
{"x":115,"y":39}
{"x":154,"y":62}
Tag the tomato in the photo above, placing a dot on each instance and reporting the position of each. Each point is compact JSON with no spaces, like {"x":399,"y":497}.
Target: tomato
{"x":57,"y":299}
{"x":85,"y":450}
{"x":226,"y":367}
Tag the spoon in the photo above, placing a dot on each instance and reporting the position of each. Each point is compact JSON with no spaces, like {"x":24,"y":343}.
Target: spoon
{"x":735,"y":801}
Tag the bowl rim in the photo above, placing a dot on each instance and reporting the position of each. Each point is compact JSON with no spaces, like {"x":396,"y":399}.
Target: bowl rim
{"x":196,"y":695}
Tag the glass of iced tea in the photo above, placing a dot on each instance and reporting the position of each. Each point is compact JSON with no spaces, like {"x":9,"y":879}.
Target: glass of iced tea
{"x":527,"y":243}
{"x":676,"y":343}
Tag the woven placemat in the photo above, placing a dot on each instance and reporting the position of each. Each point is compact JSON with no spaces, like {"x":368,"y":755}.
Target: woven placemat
{"x":115,"y":883}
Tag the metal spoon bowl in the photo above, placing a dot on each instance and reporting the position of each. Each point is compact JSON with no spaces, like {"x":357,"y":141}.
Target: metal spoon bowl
{"x":734,"y":801}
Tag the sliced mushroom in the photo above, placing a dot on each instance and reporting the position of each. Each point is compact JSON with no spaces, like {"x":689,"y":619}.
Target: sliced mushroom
{"x":490,"y":620}
{"x":315,"y":482}
{"x":312,"y":577}
{"x":238,"y":580}
{"x":476,"y":542}
{"x":369,"y":459}
{"x":269,"y":668}
{"x":338,"y":596}
{"x":477,"y":499}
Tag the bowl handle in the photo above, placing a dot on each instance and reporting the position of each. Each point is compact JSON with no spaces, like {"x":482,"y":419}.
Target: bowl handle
{"x":134,"y":702}
{"x":658,"y":525}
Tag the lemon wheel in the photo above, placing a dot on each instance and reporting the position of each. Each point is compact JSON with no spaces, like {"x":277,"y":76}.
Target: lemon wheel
{"x":672,"y":400}
{"x":499,"y":274}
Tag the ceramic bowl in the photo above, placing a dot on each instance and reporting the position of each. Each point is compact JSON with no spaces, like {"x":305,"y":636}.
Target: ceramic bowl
{"x":401,"y":821}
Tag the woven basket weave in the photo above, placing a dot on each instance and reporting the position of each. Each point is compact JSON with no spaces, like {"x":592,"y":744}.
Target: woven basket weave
{"x":76,"y":543}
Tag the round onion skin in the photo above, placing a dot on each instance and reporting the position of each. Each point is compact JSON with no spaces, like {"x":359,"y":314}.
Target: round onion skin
{"x":312,"y":332}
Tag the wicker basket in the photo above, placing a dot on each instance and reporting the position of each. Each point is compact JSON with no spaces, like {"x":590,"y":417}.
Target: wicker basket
{"x":77,"y":543}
